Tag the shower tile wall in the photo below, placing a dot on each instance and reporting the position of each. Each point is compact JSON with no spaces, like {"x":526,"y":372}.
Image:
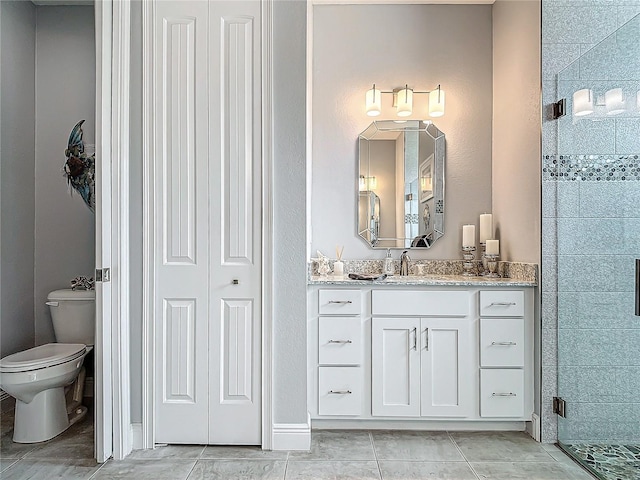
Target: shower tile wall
{"x":582,"y":273}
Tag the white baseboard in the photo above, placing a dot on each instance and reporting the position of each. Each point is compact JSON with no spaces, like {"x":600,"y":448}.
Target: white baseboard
{"x":136,"y":436}
{"x":536,"y":431}
{"x":292,"y":436}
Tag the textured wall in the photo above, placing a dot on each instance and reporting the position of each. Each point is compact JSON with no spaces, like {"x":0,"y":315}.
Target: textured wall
{"x":65,"y":94}
{"x":590,"y":230}
{"x":422,"y":45}
{"x":290,"y":271}
{"x":17,"y":140}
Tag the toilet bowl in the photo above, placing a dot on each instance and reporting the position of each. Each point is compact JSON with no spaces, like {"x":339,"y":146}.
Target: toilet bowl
{"x":37,"y":377}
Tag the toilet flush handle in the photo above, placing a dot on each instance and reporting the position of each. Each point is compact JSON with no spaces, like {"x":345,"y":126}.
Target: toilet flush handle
{"x":52,"y":304}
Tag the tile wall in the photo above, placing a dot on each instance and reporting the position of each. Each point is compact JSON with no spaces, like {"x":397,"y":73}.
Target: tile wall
{"x":591,"y":227}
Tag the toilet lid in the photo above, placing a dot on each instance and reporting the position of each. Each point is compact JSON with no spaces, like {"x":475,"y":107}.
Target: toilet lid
{"x":43,"y":356}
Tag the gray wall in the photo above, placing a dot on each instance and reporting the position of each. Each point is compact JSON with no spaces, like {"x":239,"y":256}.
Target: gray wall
{"x":290,"y":271}
{"x":65,"y":94}
{"x":590,"y":288}
{"x":17,"y":152}
{"x":422,"y":45}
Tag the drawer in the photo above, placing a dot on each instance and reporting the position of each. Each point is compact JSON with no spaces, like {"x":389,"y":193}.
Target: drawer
{"x":502,"y":342}
{"x":502,"y":303}
{"x":420,"y":303}
{"x":501,"y":393}
{"x":339,"y":302}
{"x":339,"y":341}
{"x":339,"y":391}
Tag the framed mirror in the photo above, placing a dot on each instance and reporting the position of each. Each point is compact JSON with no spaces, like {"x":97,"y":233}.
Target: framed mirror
{"x":401,"y":184}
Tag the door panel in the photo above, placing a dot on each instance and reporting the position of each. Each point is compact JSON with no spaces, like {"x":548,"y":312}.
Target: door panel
{"x":235,"y":214}
{"x":208,"y":204}
{"x":446,"y":368}
{"x":395,"y":367}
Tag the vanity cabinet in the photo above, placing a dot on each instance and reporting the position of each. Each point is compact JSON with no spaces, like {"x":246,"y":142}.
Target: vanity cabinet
{"x":413,"y":356}
{"x":421,"y":367}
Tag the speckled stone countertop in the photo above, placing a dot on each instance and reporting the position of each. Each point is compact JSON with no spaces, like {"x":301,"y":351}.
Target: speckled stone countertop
{"x":433,"y":272}
{"x":426,"y":280}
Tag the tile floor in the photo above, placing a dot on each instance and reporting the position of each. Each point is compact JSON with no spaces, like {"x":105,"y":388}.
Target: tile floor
{"x":361,"y":455}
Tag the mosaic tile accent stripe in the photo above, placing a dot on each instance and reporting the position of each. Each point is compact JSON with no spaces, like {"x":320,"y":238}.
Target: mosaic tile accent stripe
{"x":608,"y":462}
{"x":590,"y":168}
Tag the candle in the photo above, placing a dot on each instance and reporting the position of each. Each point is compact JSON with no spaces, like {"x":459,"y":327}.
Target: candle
{"x":338,"y":268}
{"x":486,"y":227}
{"x":468,"y":235}
{"x":493,"y":247}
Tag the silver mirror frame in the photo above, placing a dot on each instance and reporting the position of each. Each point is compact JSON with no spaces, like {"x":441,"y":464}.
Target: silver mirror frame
{"x":425,"y":206}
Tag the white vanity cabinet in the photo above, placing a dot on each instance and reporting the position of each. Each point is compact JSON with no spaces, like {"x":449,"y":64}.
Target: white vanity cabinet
{"x":442,"y":356}
{"x":421,"y":361}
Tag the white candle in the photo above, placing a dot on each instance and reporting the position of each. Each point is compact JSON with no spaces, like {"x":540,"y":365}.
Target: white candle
{"x":486,"y":227}
{"x":493,"y":247}
{"x":468,"y":235}
{"x":338,"y":268}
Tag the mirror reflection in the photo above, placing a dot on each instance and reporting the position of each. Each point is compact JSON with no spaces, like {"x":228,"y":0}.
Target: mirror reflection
{"x":401,"y":184}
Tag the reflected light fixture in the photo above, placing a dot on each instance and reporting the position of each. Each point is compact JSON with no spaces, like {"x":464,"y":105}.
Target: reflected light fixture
{"x":614,"y":101}
{"x":583,"y":102}
{"x":367,"y":184}
{"x":403,"y":101}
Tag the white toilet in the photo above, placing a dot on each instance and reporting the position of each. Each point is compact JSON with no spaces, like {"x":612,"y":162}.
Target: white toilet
{"x":37,"y":377}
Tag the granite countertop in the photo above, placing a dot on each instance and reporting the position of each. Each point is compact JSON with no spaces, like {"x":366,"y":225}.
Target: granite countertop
{"x":426,"y":280}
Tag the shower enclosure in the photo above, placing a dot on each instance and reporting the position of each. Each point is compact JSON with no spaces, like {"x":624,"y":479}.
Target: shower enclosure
{"x":596,"y":176}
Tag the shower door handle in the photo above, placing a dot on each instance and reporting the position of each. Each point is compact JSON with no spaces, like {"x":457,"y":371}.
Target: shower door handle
{"x":638,"y":287}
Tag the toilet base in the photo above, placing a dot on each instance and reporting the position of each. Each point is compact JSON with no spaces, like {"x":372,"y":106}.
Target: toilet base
{"x":41,"y":419}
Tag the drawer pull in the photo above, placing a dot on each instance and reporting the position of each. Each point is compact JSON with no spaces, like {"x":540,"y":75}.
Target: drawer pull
{"x":340,"y":301}
{"x":502,"y":304}
{"x":340,"y":392}
{"x":494,"y":394}
{"x":340,"y":341}
{"x":508,"y":344}
{"x":415,"y":338}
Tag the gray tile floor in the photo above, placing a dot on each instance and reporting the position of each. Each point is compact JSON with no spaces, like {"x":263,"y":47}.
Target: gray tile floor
{"x":361,"y":455}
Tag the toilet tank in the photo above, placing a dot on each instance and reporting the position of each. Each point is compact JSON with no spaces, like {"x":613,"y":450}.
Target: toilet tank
{"x":73,"y":313}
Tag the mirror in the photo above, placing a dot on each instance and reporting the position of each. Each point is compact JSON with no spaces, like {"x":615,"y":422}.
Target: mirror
{"x":401,"y":184}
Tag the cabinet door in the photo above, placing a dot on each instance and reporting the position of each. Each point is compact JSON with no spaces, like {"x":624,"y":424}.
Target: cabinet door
{"x":447,"y":372}
{"x":395,"y":375}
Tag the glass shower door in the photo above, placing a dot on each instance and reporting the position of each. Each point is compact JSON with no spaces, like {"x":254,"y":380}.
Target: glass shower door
{"x":597,"y":184}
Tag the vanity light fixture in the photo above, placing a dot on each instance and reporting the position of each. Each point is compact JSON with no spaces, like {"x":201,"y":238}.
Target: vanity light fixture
{"x":403,"y":101}
{"x":614,"y":101}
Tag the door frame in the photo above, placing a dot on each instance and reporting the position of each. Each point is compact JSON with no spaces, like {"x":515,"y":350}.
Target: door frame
{"x":113,"y":435}
{"x":148,"y":227}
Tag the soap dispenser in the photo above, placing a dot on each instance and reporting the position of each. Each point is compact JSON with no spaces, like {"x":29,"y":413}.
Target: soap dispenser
{"x":389,"y":267}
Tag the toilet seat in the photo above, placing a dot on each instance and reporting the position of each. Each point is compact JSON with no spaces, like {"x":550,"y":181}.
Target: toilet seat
{"x":43,"y":356}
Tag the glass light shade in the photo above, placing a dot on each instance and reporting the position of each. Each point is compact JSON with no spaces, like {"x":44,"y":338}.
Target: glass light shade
{"x":436,"y":103}
{"x":373,"y":102}
{"x":404,"y":104}
{"x":372,"y":183}
{"x":614,"y":101}
{"x":362,"y":184}
{"x":582,"y":102}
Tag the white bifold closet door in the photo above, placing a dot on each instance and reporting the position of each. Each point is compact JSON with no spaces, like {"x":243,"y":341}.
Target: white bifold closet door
{"x":207,"y":204}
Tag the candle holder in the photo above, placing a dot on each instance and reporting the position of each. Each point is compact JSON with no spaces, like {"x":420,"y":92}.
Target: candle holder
{"x":492,"y":265}
{"x":483,"y":269}
{"x":468,"y":255}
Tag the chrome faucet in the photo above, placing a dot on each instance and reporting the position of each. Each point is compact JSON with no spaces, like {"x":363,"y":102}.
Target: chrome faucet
{"x":404,"y":263}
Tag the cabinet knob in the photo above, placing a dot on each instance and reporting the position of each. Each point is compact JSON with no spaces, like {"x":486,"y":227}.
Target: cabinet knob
{"x":235,"y":281}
